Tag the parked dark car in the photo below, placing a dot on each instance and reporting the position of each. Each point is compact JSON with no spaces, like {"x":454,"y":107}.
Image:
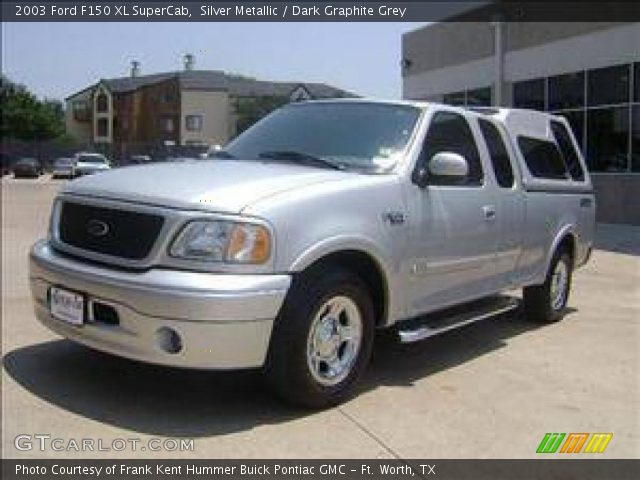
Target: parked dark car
{"x":27,"y":168}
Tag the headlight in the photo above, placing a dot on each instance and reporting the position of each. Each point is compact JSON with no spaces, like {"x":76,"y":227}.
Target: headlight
{"x":223,"y":241}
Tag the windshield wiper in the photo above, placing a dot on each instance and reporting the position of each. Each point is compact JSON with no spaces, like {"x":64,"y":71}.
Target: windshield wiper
{"x":300,"y":157}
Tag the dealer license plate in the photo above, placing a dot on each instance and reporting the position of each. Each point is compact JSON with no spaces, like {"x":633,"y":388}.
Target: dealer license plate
{"x":67,"y":306}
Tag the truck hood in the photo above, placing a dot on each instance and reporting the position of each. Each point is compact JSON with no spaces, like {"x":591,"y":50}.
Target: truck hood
{"x":225,"y":186}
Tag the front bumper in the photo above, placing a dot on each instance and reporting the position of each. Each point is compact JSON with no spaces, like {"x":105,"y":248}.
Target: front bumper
{"x":223,"y":321}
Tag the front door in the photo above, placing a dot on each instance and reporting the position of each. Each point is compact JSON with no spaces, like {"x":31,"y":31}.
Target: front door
{"x":453,"y":235}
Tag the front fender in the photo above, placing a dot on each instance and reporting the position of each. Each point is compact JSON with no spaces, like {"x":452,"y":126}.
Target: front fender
{"x":342,"y":243}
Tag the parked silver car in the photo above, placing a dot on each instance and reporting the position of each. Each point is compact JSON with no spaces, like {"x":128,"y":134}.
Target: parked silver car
{"x":318,"y":225}
{"x":89,"y":163}
{"x":63,"y":168}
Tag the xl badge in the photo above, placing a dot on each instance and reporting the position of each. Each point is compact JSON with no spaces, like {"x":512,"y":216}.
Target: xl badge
{"x":393,"y":218}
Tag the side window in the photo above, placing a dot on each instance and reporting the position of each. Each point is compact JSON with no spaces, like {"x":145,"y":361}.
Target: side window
{"x":571,"y":158}
{"x":543,"y":158}
{"x":498,"y":153}
{"x":450,"y":132}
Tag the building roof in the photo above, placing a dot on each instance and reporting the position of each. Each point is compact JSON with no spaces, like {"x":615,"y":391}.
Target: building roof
{"x":217,"y":80}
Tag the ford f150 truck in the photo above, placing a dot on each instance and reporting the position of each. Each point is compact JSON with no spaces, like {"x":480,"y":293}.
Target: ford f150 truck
{"x":318,"y":225}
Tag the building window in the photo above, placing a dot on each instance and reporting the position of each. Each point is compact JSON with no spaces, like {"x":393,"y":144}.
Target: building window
{"x":636,"y":82}
{"x":168,"y":125}
{"x":529,"y":94}
{"x":102,"y":127}
{"x":455,"y":98}
{"x":635,"y":139}
{"x":81,"y":110}
{"x":194,"y":123}
{"x":479,"y":97}
{"x":169,"y":96}
{"x":566,"y":91}
{"x":608,"y":86}
{"x":543,"y":158}
{"x":608,"y":139}
{"x":602,"y":121}
{"x":102,"y":103}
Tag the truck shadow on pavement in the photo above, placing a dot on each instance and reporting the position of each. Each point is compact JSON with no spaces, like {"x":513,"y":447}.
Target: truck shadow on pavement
{"x":172,"y":402}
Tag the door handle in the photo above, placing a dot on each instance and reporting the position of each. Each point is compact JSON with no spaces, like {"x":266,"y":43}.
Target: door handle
{"x":489,"y":212}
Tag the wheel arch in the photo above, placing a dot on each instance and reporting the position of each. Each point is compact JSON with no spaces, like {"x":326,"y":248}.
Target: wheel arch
{"x":565,"y":238}
{"x":358,"y":257}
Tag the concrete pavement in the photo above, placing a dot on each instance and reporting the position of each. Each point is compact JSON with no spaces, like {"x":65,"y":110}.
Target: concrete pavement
{"x":490,"y":390}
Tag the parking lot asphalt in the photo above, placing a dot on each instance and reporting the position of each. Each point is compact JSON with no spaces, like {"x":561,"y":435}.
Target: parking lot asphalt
{"x":490,"y":390}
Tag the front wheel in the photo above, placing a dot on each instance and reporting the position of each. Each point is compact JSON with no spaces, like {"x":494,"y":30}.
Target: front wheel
{"x":322,"y":339}
{"x":546,"y":303}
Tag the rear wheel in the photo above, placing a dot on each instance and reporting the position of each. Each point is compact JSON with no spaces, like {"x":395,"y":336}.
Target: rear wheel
{"x":546,"y":303}
{"x":322,"y":339}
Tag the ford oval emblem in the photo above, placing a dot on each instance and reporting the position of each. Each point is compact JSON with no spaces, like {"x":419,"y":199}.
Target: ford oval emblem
{"x":97,"y":228}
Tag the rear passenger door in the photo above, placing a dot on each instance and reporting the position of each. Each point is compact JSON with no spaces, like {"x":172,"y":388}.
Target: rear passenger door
{"x":509,"y":201}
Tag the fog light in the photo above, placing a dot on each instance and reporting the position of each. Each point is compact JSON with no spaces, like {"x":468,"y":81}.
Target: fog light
{"x":168,"y":340}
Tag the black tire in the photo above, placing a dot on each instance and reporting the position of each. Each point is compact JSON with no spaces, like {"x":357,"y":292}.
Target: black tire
{"x":287,"y":370}
{"x":539,"y":306}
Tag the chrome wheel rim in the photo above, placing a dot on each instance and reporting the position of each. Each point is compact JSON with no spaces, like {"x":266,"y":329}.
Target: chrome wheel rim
{"x":334,"y":340}
{"x":559,"y":281}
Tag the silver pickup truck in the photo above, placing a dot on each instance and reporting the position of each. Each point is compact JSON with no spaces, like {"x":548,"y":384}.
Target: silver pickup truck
{"x":320,"y":224}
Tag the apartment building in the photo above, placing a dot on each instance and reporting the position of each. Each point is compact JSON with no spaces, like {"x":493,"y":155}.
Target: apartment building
{"x":145,"y":113}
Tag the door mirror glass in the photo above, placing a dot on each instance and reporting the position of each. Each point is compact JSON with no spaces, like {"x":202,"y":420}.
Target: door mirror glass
{"x":448,"y":164}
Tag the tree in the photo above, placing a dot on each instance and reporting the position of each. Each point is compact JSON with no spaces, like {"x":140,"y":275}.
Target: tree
{"x":24,"y":117}
{"x":251,"y":109}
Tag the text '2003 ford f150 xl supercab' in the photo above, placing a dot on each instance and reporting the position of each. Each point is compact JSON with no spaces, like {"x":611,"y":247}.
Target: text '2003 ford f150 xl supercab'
{"x":318,"y":225}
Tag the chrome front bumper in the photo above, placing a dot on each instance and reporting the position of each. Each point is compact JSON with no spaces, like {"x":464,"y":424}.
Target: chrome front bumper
{"x":223,"y":321}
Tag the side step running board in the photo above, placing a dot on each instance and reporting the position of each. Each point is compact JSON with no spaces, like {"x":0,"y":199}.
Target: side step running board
{"x":435,"y":323}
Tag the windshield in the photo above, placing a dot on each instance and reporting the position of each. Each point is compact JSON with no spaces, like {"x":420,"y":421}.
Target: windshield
{"x":92,"y":159}
{"x":354,"y":136}
{"x":61,"y":162}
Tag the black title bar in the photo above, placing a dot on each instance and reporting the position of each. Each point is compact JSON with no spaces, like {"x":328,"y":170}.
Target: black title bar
{"x":316,"y":11}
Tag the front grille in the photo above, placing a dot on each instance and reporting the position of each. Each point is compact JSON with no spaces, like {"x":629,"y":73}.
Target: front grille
{"x":120,"y":233}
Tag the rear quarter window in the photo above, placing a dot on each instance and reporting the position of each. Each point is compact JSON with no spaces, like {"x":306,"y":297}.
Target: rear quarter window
{"x":567,"y":148}
{"x":543,"y":158}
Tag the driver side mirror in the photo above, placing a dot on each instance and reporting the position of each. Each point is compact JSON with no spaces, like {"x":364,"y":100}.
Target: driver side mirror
{"x":448,"y":164}
{"x":443,"y":167}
